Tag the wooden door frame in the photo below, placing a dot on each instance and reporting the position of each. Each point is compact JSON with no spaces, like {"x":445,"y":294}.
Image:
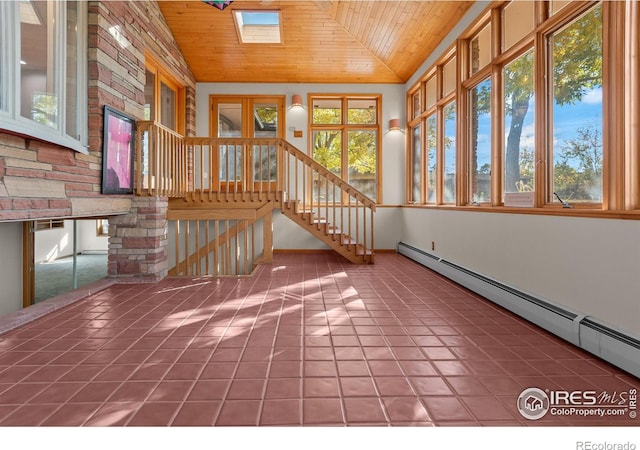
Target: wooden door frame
{"x":247,"y":103}
{"x":28,"y":264}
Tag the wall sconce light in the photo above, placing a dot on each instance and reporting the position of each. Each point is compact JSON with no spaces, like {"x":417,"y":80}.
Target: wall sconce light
{"x":394,"y":125}
{"x":296,"y":101}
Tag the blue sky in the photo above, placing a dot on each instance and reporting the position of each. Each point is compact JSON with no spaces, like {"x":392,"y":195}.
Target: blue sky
{"x":567,"y":120}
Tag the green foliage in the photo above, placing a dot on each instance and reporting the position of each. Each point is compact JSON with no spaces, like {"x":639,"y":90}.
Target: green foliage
{"x":267,"y":114}
{"x":362,"y":151}
{"x":361,"y":116}
{"x":329,"y":116}
{"x":361,"y":144}
{"x":577,"y":68}
{"x":327,"y":149}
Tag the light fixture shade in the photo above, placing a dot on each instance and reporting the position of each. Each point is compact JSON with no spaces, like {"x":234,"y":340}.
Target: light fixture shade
{"x":394,"y":125}
{"x":296,"y":100}
{"x":220,"y":4}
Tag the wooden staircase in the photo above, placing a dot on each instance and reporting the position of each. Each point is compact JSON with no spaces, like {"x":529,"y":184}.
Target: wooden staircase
{"x":324,"y":230}
{"x":222,"y":189}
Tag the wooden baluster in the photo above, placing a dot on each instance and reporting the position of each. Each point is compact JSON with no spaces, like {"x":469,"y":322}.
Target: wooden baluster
{"x":216,"y":248}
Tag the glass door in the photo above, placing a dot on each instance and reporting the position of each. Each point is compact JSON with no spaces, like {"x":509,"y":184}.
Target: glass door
{"x":229,"y":123}
{"x":247,"y":162}
{"x":265,"y":124}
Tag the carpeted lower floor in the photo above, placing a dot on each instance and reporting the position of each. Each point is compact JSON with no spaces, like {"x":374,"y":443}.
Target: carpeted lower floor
{"x":56,"y":277}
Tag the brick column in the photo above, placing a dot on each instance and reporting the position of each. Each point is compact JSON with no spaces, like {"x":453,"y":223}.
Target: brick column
{"x":138,"y":240}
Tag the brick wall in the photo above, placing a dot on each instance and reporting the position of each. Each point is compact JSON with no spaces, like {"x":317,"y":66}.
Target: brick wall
{"x":121,"y":33}
{"x":41,"y":180}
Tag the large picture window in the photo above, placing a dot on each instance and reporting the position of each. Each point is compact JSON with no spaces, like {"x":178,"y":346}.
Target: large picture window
{"x":576,"y":86}
{"x":525,"y":111}
{"x":519,"y":142}
{"x":345,"y":134}
{"x":46,"y":98}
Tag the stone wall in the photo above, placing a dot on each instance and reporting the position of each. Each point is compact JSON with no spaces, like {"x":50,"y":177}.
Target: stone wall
{"x":138,"y":240}
{"x":43,"y":180}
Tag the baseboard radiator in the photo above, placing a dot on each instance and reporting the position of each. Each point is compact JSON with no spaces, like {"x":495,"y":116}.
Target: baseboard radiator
{"x":586,"y":332}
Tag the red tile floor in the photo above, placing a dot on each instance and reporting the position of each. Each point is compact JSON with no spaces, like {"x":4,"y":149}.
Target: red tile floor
{"x":308,"y":340}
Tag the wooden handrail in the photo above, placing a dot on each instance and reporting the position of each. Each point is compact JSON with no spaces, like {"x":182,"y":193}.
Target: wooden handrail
{"x":171,"y":169}
{"x":312,"y":163}
{"x":243,"y":171}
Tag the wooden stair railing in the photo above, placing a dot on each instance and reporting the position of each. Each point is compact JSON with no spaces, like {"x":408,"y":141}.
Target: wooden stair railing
{"x":244,"y":173}
{"x":219,"y":242}
{"x":326,"y":206}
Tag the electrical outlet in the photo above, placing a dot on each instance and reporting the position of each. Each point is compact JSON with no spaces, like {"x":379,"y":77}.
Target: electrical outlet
{"x":433,"y":245}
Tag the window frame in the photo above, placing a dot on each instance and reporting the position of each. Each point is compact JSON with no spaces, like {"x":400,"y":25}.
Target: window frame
{"x":162,"y":75}
{"x":11,"y":120}
{"x":620,"y":81}
{"x":345,"y":127}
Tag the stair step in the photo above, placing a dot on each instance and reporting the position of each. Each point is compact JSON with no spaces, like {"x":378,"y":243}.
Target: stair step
{"x":362,"y":252}
{"x":320,"y":220}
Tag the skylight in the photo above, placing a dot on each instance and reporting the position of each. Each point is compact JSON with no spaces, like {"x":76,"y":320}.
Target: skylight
{"x":258,"y":27}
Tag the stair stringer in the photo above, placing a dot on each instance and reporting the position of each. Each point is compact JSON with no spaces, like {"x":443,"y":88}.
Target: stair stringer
{"x":336,"y":241}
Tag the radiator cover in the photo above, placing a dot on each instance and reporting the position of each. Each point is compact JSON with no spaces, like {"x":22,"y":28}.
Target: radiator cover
{"x":585,"y":332}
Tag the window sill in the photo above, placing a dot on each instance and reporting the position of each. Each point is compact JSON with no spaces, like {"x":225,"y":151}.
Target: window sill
{"x":28,"y":132}
{"x":546,"y":211}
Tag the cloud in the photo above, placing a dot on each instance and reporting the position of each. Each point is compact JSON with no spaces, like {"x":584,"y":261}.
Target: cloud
{"x":593,"y":97}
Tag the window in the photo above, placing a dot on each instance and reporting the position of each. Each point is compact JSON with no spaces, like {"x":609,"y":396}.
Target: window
{"x":576,"y":85}
{"x":543,"y":119}
{"x":480,"y":50}
{"x":431,"y":162}
{"x":48,"y":224}
{"x":449,"y":162}
{"x":46,"y":98}
{"x":258,"y":27}
{"x":480,"y":143}
{"x":102,"y":227}
{"x":416,"y":164}
{"x":345,"y":133}
{"x":439,"y":159}
{"x":416,"y":105}
{"x":518,"y":19}
{"x":164,"y":97}
{"x":519,"y":175}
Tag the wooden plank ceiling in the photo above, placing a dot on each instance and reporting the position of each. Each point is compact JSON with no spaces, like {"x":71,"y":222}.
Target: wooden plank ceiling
{"x":332,"y":41}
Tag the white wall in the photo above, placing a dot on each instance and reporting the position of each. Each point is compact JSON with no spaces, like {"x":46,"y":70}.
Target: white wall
{"x":54,"y":243}
{"x":88,"y":240}
{"x":10,"y":267}
{"x":589,"y":266}
{"x":58,"y":242}
{"x":288,"y":235}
